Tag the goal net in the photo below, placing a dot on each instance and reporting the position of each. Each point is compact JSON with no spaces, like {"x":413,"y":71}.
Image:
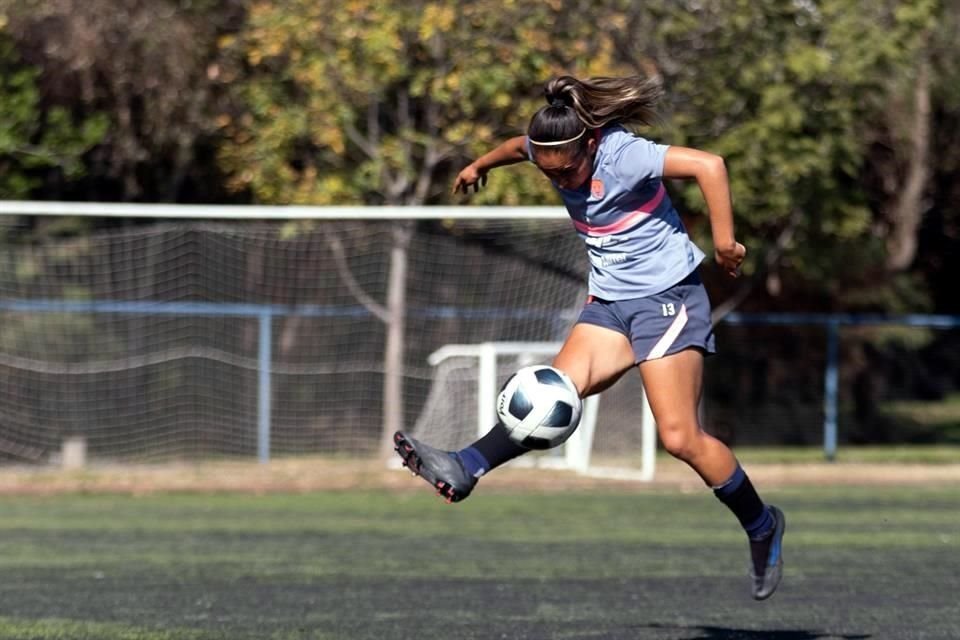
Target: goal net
{"x":471,"y":373}
{"x":198,"y":337}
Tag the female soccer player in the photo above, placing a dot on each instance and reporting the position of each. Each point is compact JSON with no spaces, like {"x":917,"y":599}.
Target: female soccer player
{"x":646,"y":307}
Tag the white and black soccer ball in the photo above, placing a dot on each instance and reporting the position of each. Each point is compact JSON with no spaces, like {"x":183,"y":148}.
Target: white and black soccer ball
{"x":539,"y":406}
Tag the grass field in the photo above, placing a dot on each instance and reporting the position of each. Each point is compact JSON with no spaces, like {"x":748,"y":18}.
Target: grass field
{"x":886,"y":455}
{"x":381,"y":565}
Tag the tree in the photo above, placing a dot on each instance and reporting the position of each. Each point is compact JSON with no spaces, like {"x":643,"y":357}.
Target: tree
{"x":938,"y":252}
{"x":794,"y":96}
{"x":149,"y":67}
{"x":35,"y":137}
{"x":378,"y":102}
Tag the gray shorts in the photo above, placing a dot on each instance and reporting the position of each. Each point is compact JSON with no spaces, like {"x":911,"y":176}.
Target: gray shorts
{"x":661,"y":324}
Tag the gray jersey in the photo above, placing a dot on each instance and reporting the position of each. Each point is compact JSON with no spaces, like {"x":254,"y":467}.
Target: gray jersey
{"x":635,"y":240}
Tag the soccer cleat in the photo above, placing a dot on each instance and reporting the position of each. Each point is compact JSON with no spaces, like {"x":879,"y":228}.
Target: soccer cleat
{"x":442,"y":469}
{"x":767,"y":558}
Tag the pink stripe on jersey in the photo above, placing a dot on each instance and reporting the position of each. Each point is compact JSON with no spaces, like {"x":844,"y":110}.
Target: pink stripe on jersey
{"x":670,"y":336}
{"x":626,"y":221}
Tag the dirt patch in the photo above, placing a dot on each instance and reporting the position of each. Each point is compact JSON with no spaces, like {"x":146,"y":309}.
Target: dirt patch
{"x":323,"y":474}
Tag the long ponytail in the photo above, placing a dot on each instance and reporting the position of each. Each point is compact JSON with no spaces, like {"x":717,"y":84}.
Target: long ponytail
{"x":577,"y":105}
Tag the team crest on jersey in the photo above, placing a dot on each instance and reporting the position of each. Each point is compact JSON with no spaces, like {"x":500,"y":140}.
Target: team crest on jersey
{"x":596,"y":188}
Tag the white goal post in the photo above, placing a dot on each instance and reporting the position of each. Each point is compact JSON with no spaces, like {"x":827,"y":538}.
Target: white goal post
{"x":576,"y":451}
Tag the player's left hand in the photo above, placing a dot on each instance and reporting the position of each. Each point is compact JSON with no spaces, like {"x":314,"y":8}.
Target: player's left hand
{"x":731,"y":258}
{"x":469,"y":177}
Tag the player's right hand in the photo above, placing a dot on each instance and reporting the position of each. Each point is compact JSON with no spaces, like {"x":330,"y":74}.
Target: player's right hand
{"x":471,"y":176}
{"x":731,"y":258}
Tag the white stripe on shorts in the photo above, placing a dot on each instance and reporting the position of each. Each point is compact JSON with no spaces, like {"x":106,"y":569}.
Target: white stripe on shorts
{"x":670,"y":336}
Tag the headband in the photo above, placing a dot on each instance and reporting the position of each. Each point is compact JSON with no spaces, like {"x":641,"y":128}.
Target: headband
{"x":559,"y":142}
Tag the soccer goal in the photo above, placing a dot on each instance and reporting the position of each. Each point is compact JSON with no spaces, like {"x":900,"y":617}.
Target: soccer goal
{"x":151,"y":332}
{"x":471,"y":373}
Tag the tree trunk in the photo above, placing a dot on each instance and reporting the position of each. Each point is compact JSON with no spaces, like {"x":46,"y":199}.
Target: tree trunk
{"x":393,"y":406}
{"x":906,"y":212}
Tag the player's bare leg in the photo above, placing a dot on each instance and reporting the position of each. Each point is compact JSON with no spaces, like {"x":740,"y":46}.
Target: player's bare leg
{"x":594,"y":357}
{"x":673,"y":385}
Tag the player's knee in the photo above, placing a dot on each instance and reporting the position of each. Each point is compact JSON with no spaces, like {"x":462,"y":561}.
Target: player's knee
{"x":680,"y":439}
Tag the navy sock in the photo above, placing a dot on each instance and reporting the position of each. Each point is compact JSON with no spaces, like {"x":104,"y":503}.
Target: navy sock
{"x":490,"y":451}
{"x":473,"y":461}
{"x":742,"y":499}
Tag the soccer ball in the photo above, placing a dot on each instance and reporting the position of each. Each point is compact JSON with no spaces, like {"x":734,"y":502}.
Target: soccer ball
{"x":539,"y":406}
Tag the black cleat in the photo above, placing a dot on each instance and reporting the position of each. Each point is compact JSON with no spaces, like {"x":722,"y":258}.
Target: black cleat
{"x":442,"y":469}
{"x":767,"y":558}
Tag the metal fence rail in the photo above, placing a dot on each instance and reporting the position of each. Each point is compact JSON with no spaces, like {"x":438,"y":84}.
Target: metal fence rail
{"x":264,"y":314}
{"x":833,"y":322}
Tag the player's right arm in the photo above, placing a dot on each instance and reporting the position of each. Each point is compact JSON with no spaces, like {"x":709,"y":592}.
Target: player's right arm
{"x":475,"y":174}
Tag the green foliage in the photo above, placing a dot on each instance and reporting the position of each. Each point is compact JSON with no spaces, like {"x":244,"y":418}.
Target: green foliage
{"x":148,"y":68}
{"x":789,"y":94}
{"x":366,"y":102}
{"x":935,"y":421}
{"x":384,"y":102}
{"x":369,"y":102}
{"x":33,"y":136}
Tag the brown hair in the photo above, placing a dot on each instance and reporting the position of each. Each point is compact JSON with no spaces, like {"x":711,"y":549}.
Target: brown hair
{"x":575,"y":105}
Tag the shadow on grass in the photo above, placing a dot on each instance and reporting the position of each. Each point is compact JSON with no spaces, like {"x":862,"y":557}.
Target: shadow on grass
{"x":724,"y":633}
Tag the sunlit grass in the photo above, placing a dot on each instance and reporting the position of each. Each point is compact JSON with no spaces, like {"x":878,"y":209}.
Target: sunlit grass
{"x":352,"y":565}
{"x":879,"y":454}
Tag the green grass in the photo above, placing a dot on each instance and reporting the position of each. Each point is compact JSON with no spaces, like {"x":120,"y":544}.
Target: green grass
{"x":940,"y":419}
{"x":877,"y":563}
{"x":886,"y":454}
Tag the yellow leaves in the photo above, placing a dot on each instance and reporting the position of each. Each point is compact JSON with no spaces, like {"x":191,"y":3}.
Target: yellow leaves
{"x":616,"y":22}
{"x":237,"y":182}
{"x":273,"y":48}
{"x":316,"y":189}
{"x":331,"y":137}
{"x":482,"y":132}
{"x":437,"y":18}
{"x":259,"y":9}
{"x":502,"y":100}
{"x":356,"y":8}
{"x":458,"y":133}
{"x":352,"y":91}
{"x":537,"y":38}
{"x":469,"y":134}
{"x":304,"y":189}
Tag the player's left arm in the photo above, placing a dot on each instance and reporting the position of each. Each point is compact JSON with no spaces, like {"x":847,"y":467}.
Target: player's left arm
{"x":710,"y":172}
